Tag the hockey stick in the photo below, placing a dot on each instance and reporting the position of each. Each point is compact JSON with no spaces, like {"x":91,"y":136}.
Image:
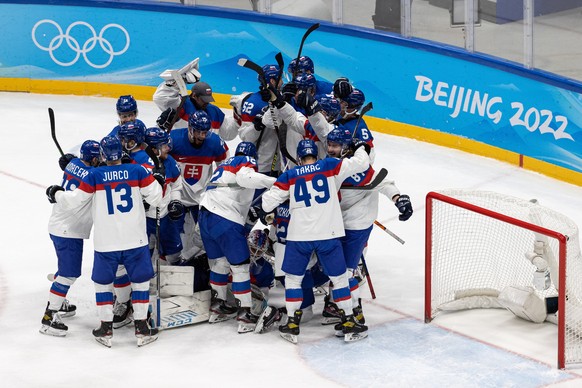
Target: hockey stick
{"x":309,"y":31}
{"x":368,"y":107}
{"x":370,"y":285}
{"x":385,"y":229}
{"x":372,"y":185}
{"x":149,"y":150}
{"x":257,"y":69}
{"x":51,"y":113}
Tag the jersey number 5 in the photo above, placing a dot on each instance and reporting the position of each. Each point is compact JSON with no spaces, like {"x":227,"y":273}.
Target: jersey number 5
{"x":122,"y":202}
{"x":317,"y":186}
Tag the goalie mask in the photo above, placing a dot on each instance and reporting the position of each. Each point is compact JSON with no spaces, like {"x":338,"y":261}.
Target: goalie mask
{"x":258,"y":243}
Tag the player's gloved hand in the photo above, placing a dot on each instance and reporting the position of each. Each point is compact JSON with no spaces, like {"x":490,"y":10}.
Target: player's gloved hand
{"x":125,"y":158}
{"x":404,"y":207}
{"x":265,"y":94}
{"x":289,"y":91}
{"x":146,"y":205}
{"x":254,"y":213}
{"x":258,"y":122}
{"x":176,"y":210}
{"x":308,"y":103}
{"x":51,"y":192}
{"x":159,"y":174}
{"x":166,"y":119}
{"x":65,"y":160}
{"x":276,"y":97}
{"x":542,"y":280}
{"x":357,"y":143}
{"x":342,"y":88}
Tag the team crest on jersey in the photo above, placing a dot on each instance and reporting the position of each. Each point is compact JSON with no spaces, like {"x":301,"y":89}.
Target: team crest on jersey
{"x":193,"y":172}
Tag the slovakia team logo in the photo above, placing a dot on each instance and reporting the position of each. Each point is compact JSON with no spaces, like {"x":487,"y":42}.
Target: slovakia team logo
{"x":80,"y":39}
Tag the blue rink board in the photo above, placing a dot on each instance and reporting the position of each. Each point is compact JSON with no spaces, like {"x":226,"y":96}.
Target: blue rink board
{"x":409,"y":353}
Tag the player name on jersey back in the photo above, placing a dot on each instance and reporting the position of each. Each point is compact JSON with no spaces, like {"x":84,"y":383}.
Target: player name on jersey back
{"x":113,"y":176}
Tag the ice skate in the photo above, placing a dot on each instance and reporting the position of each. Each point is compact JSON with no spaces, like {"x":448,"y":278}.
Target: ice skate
{"x":220,"y":311}
{"x":104,"y":333}
{"x":268,"y":318}
{"x":247,"y":321}
{"x":330,"y":312}
{"x":359,"y":313}
{"x":290,"y":331}
{"x":144,"y":333}
{"x":122,"y":314}
{"x":52,"y":324}
{"x":67,"y":309}
{"x":352,"y":329}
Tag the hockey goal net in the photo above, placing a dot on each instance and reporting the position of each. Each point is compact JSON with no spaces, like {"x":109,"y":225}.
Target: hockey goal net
{"x":477,"y":244}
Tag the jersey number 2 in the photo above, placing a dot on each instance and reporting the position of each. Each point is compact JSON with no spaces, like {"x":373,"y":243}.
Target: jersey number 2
{"x":318,"y":186}
{"x":123,"y":201}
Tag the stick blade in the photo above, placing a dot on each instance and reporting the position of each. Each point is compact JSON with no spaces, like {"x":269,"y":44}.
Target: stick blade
{"x":242,"y":62}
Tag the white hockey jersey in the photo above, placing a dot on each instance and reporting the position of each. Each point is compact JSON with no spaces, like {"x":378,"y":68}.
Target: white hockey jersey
{"x":233,"y":203}
{"x":116,"y":193}
{"x":313,"y":194}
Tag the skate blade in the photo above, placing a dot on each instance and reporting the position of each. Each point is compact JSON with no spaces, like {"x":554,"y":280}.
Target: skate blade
{"x":246,"y":327}
{"x":66,"y":314}
{"x":289,"y":337}
{"x":216,"y":318}
{"x":339,"y":333}
{"x":353,"y":337}
{"x":330,"y":321}
{"x":260,"y":328}
{"x":142,"y":341}
{"x":52,"y":331}
{"x":104,"y":341}
{"x":118,"y":325}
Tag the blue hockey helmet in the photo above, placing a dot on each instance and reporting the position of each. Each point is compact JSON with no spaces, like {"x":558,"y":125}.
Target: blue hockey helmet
{"x":199,"y":121}
{"x":271,"y":72}
{"x":132,"y":130}
{"x":246,"y":148}
{"x":305,"y":82}
{"x":156,"y":137}
{"x":111,"y":148}
{"x":305,"y":65}
{"x":126,"y":104}
{"x":331,"y":106}
{"x":89,"y":150}
{"x":355,"y":99}
{"x":340,"y":135}
{"x":305,"y":148}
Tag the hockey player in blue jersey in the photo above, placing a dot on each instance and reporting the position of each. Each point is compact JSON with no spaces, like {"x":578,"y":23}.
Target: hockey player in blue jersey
{"x":67,"y":230}
{"x":316,"y":225}
{"x":171,"y":208}
{"x":126,"y":111}
{"x":224,"y":208}
{"x":116,"y":192}
{"x":196,"y":150}
{"x":350,"y":118}
{"x":306,"y":66}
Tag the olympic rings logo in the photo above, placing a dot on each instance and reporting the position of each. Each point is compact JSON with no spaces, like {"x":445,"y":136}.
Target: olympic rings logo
{"x":74,"y":45}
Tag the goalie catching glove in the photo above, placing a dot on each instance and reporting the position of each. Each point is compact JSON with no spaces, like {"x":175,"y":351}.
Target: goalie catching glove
{"x":404,"y":207}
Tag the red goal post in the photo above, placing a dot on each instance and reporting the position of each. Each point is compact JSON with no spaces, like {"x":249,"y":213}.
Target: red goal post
{"x":476,"y":244}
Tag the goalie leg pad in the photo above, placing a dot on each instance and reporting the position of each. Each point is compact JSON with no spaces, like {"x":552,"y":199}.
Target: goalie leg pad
{"x":176,"y":281}
{"x":524,"y":303}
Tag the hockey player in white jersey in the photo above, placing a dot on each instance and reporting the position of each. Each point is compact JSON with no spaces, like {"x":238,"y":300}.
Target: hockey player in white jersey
{"x":116,"y":192}
{"x":316,"y":225}
{"x":67,"y":230}
{"x":359,"y":210}
{"x":224,"y":208}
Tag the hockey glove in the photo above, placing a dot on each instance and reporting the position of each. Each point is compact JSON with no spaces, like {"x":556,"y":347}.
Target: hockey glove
{"x":276,"y":97}
{"x":159,"y":174}
{"x":51,"y":192}
{"x":265,"y":94}
{"x":404,"y":207}
{"x":254,"y":213}
{"x":289,"y":91}
{"x":175,"y":210}
{"x":167,"y":119}
{"x":146,"y":205}
{"x":308,"y":103}
{"x":357,"y":143}
{"x":258,"y":122}
{"x":342,"y":88}
{"x":125,"y":158}
{"x":65,"y":160}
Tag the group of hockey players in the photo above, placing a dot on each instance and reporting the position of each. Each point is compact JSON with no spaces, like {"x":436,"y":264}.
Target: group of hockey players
{"x":304,"y":169}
